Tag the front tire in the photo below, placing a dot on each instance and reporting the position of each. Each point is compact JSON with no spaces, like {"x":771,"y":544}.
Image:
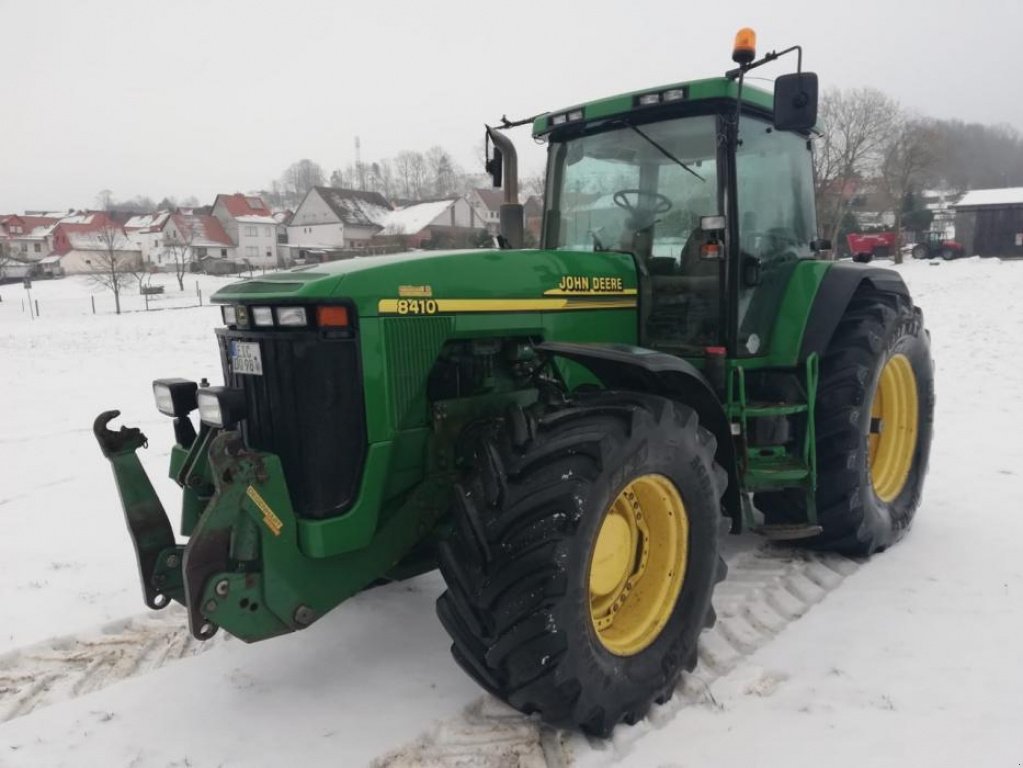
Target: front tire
{"x":584,"y":556}
{"x":920,"y":252}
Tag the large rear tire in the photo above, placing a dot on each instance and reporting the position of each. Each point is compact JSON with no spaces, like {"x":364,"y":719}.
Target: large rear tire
{"x":584,"y":556}
{"x":875,"y":416}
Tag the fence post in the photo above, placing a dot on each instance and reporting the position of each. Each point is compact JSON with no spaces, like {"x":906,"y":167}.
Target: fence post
{"x":37,"y":307}
{"x":93,"y":297}
{"x":200,"y":294}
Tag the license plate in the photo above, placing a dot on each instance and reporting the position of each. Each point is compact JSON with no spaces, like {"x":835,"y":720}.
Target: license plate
{"x":245,"y":358}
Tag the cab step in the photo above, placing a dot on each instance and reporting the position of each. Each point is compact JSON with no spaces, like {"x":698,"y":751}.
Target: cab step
{"x":788,"y":532}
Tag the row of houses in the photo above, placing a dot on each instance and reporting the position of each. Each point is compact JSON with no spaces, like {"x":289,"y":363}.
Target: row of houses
{"x":241,"y":230}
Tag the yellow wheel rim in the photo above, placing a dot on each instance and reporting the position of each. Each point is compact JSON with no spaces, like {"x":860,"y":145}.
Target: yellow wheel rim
{"x":638,"y":564}
{"x":894,"y":423}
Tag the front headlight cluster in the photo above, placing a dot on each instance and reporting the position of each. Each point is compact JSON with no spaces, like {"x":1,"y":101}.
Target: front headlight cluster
{"x":265,"y":317}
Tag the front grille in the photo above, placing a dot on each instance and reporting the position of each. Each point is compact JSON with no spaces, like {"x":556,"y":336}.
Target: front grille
{"x":307,"y":408}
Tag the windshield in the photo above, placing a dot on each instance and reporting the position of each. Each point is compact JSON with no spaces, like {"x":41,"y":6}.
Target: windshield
{"x":641,"y":189}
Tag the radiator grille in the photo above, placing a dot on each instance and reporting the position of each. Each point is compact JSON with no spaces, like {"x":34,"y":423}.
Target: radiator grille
{"x":307,"y":408}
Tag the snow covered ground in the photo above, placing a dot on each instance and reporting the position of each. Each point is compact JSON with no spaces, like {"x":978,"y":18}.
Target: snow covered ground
{"x":910,"y":659}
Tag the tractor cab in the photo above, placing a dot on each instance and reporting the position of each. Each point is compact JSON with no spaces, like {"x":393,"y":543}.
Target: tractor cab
{"x":654,"y":181}
{"x":708,"y":184}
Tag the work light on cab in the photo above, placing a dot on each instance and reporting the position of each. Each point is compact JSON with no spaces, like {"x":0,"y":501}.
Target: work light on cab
{"x":221,"y":407}
{"x":175,"y":397}
{"x":229,"y":315}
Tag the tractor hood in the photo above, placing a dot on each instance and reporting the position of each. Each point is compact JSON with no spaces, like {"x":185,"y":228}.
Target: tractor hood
{"x":430,"y":282}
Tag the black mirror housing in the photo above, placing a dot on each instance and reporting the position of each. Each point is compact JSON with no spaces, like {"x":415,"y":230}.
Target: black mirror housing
{"x":795,"y":101}
{"x":495,"y":167}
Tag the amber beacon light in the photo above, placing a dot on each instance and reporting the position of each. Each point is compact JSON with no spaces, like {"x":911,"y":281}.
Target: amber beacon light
{"x":745,"y":48}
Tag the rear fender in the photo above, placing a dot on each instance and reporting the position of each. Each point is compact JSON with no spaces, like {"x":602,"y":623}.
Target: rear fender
{"x":636,"y":369}
{"x":833,"y":296}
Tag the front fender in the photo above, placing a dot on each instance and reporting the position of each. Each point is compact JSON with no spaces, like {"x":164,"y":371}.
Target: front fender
{"x":619,"y":366}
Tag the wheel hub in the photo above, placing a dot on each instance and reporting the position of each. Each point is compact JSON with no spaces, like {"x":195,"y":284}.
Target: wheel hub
{"x":638,"y":564}
{"x":894,"y":424}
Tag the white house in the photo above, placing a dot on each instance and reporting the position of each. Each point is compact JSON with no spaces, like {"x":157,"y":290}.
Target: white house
{"x":450,"y":222}
{"x":331,"y":218}
{"x":28,"y":238}
{"x":251,"y":227}
{"x":487,"y":205}
{"x":188,"y":237}
{"x":146,"y":231}
{"x":91,"y":251}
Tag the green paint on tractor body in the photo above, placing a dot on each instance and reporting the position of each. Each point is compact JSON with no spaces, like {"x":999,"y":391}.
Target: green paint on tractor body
{"x":438,"y":343}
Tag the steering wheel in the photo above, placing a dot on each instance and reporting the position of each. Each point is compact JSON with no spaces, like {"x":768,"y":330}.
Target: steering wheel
{"x":621,"y":199}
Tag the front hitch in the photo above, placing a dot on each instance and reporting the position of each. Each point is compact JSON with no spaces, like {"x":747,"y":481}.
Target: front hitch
{"x":151,"y":533}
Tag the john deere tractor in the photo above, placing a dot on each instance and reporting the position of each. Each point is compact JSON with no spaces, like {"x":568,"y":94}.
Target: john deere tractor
{"x":563,"y":430}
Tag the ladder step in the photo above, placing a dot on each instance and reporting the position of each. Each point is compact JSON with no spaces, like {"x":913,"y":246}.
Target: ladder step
{"x":788,"y":532}
{"x":754,"y":410}
{"x":772,"y":471}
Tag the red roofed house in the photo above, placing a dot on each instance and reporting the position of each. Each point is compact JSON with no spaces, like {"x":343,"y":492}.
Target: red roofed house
{"x":201,"y":236}
{"x":166,"y":238}
{"x":81,"y":223}
{"x":251,"y":226}
{"x":27,"y":237}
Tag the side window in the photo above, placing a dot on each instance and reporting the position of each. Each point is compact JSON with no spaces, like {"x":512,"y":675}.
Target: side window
{"x":777,"y":222}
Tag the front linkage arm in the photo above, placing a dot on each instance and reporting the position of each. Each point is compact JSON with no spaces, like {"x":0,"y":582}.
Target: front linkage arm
{"x":150,"y":529}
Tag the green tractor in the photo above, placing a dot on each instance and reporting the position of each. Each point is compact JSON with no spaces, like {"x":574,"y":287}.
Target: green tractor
{"x":563,"y":430}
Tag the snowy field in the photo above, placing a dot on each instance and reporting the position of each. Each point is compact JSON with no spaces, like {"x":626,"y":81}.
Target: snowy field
{"x":912,"y":658}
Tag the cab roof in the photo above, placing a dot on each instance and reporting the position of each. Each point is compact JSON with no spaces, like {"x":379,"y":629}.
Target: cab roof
{"x":639,"y":101}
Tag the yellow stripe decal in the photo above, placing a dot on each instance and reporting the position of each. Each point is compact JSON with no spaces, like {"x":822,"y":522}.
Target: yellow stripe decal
{"x":553,"y":304}
{"x":559,"y":292}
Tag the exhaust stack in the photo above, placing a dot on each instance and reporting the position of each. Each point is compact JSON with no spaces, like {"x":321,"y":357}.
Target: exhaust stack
{"x":506,"y":164}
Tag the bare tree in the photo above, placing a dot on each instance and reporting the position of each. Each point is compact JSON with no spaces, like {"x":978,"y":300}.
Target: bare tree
{"x":857,"y":125}
{"x":105,"y":200}
{"x":300,"y":177}
{"x":404,"y":168}
{"x":113,"y":265}
{"x":441,"y":172}
{"x":177,"y":242}
{"x":141,"y":273}
{"x":6,"y":256}
{"x":535,"y":184}
{"x":909,"y":155}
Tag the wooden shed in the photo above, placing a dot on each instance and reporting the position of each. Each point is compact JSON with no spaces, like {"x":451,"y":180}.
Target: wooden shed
{"x":989,"y":222}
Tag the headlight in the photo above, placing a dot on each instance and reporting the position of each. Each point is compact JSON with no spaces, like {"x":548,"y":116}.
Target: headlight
{"x":262,"y":316}
{"x":230,"y":317}
{"x":175,"y":397}
{"x":291,"y":316}
{"x":221,"y":407}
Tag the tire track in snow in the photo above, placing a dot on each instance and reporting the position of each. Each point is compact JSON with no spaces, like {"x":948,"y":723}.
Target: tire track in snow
{"x":67,"y":667}
{"x":766,"y":590}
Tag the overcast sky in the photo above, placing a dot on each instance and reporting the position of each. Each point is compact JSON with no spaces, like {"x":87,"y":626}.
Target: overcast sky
{"x":181,"y":98}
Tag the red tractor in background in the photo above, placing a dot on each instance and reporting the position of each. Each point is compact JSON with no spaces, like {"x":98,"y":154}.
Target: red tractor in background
{"x":934,"y":245}
{"x":866,"y":247}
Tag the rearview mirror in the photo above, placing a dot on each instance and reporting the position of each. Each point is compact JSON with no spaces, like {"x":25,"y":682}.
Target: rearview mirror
{"x":795,"y":101}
